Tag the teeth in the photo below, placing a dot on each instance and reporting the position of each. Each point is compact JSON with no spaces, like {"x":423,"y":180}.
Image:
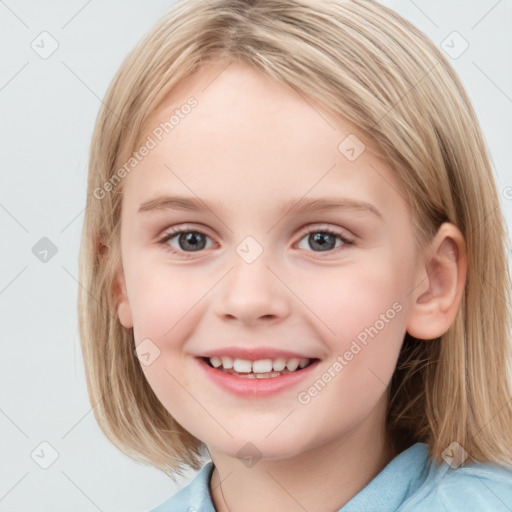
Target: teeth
{"x":216,"y":361}
{"x":227,"y":362}
{"x":242,"y":366}
{"x":261,"y":369}
{"x":292,"y":364}
{"x":267,"y":375}
{"x":262,"y":366}
{"x":279,"y":364}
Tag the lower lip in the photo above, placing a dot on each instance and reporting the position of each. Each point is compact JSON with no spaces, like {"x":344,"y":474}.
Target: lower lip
{"x":243,"y":386}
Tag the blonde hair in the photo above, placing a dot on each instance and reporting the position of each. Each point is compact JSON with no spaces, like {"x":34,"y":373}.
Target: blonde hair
{"x":364,"y":62}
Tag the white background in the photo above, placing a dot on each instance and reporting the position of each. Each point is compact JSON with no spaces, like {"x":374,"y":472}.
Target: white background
{"x":48,"y":109}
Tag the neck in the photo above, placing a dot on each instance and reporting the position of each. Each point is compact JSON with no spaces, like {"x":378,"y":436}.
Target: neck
{"x":323,"y":479}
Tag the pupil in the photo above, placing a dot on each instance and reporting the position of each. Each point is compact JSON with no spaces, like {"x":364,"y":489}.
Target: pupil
{"x":191,"y":239}
{"x":318,"y":239}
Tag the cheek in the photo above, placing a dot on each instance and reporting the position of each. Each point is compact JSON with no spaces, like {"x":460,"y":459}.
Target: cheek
{"x":164,"y":303}
{"x":363,"y":311}
{"x":351,"y":298}
{"x":166,"y":309}
{"x":165,"y":306}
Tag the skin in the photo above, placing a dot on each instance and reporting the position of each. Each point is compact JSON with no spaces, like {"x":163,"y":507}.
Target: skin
{"x":253,"y":144}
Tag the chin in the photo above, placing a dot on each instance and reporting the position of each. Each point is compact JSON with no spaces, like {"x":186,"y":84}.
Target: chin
{"x":255,"y":446}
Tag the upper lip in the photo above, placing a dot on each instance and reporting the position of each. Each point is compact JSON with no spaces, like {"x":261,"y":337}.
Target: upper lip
{"x":254,"y":354}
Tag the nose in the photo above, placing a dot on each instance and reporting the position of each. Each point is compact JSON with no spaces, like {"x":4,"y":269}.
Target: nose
{"x":252,"y":293}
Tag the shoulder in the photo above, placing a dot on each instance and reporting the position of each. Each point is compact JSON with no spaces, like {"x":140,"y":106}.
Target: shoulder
{"x":476,"y":487}
{"x":194,"y":497}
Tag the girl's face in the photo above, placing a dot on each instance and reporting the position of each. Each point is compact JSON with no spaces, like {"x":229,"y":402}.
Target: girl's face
{"x":296,"y":244}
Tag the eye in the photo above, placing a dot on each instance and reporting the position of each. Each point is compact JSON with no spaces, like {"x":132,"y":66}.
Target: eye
{"x":183,"y":241}
{"x":324,"y":240}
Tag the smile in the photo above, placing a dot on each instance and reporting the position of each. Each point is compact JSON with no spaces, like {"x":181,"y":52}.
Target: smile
{"x":257,"y":378}
{"x":260,"y":369}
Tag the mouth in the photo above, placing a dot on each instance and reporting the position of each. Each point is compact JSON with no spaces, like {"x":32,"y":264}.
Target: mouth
{"x":259,"y":369}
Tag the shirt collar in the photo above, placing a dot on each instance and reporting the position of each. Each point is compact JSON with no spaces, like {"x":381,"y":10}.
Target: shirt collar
{"x":400,"y":479}
{"x":386,"y":492}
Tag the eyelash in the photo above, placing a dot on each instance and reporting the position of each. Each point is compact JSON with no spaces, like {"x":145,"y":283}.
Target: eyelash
{"x":177,"y":231}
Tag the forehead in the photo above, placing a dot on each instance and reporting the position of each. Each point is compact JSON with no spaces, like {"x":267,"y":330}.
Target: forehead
{"x":247,"y":129}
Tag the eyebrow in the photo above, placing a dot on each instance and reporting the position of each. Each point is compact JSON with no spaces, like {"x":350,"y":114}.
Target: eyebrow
{"x":299,"y":205}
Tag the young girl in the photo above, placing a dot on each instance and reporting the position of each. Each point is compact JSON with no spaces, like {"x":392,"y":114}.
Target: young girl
{"x":294,"y":263}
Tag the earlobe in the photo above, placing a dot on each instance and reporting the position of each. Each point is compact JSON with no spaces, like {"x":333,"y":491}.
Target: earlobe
{"x":124,"y":311}
{"x":442,"y":278}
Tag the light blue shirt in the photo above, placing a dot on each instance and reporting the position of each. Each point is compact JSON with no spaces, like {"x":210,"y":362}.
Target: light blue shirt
{"x":411,"y":482}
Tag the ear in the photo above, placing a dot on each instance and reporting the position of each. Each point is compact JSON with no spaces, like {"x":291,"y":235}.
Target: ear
{"x":124,"y":311}
{"x":441,"y":280}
